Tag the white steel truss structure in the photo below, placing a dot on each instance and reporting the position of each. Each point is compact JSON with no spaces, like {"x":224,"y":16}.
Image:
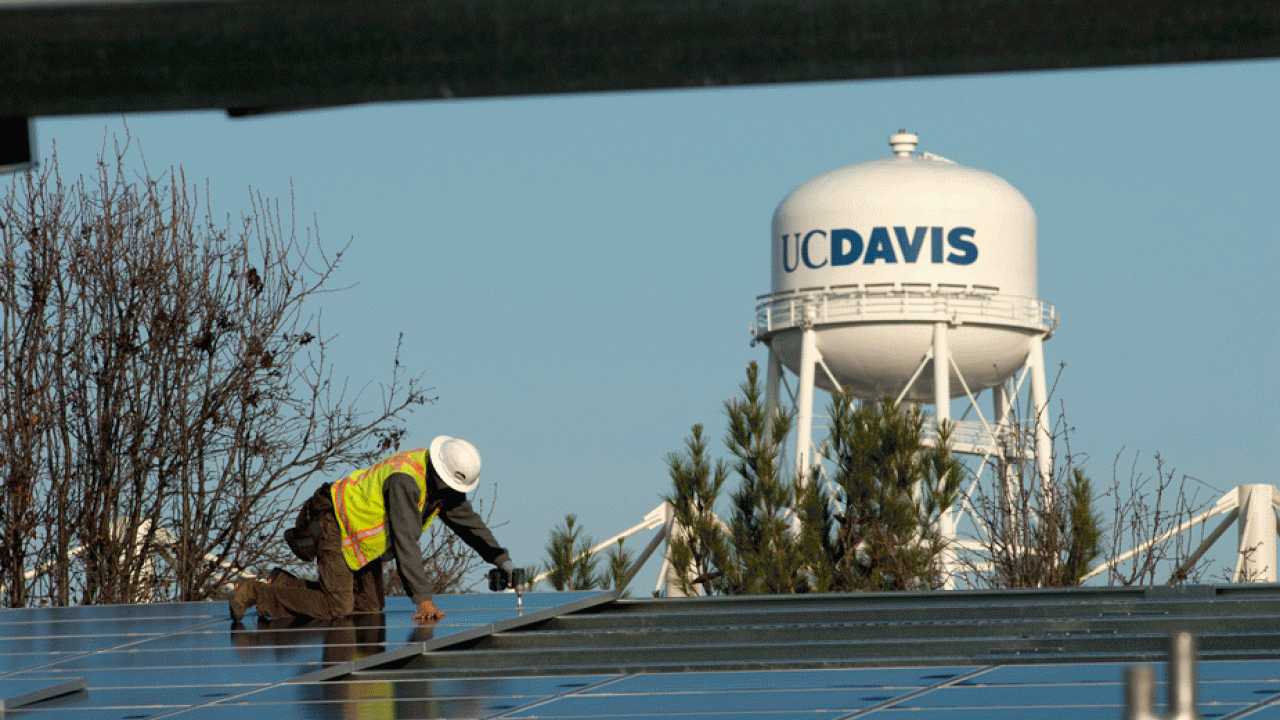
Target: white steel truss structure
{"x":809,"y":313}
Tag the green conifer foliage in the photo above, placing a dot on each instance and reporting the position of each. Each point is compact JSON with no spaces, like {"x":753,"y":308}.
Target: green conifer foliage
{"x":1084,"y":530}
{"x":570,"y":565}
{"x":878,"y":533}
{"x":767,"y":557}
{"x":881,"y":529}
{"x":699,"y":551}
{"x":892,"y":489}
{"x":1042,"y":532}
{"x":619,"y":562}
{"x":817,"y":535}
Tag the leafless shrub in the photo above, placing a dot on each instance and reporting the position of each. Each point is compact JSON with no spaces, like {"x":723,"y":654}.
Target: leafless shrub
{"x":1039,"y":530}
{"x":1148,"y":507}
{"x":164,"y":391}
{"x":1043,"y":532}
{"x":1248,"y":566}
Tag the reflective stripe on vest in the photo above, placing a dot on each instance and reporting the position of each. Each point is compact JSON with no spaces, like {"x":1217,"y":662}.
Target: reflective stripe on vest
{"x":361,"y":510}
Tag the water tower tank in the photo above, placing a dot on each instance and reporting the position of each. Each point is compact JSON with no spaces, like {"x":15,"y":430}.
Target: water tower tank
{"x":873,"y":255}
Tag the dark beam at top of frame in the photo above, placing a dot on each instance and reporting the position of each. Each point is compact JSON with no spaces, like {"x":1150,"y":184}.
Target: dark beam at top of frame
{"x":263,"y":55}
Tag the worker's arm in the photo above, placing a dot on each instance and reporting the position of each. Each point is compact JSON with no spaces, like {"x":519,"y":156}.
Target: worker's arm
{"x":467,"y":524}
{"x":401,"y":494}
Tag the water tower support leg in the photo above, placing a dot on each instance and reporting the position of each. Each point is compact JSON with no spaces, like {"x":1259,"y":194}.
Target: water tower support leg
{"x":942,"y":411}
{"x":1000,"y":406}
{"x":804,"y":410}
{"x":773,"y":385}
{"x":941,"y":373}
{"x":804,"y":400}
{"x":1040,"y":415}
{"x":1010,"y":483}
{"x":1257,"y":524}
{"x":664,"y":586}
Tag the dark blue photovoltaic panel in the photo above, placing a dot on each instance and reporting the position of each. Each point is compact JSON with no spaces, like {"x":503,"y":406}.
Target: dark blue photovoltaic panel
{"x":1003,"y":713}
{"x":698,"y":703}
{"x":1268,"y":712}
{"x":1074,"y":674}
{"x":859,"y":678}
{"x":507,"y":600}
{"x":1238,"y":694}
{"x":453,"y":710}
{"x":24,"y":661}
{"x":408,"y":698}
{"x":188,"y":661}
{"x":140,"y":660}
{"x":67,"y":643}
{"x":1084,"y":673}
{"x":1264,"y":671}
{"x":158,"y":695}
{"x":121,"y":676}
{"x":445,"y":709}
{"x":525,"y":689}
{"x":672,"y":706}
{"x":148,"y":613}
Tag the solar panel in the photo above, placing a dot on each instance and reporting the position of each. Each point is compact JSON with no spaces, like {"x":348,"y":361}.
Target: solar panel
{"x":189,"y":661}
{"x":1044,"y":691}
{"x":702,"y":704}
{"x":782,"y":680}
{"x":133,"y":661}
{"x":1269,"y":712}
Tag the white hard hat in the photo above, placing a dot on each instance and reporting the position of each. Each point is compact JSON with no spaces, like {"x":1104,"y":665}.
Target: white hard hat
{"x":457,"y":462}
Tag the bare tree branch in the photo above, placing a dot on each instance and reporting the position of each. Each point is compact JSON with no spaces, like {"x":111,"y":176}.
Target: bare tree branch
{"x":167,"y":391}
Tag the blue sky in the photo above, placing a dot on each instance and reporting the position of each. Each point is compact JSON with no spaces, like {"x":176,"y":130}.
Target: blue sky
{"x":575,"y":275}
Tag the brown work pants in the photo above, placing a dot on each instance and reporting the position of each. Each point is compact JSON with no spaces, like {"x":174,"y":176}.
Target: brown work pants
{"x":339,"y":592}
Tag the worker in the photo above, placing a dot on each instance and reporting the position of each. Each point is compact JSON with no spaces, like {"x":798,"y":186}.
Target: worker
{"x":376,"y":513}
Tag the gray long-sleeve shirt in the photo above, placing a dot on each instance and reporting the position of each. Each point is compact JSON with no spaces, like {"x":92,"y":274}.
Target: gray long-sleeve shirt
{"x":400,"y":493}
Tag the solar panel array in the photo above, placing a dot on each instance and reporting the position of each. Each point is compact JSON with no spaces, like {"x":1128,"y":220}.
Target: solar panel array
{"x":129,"y":662}
{"x":588,"y":655}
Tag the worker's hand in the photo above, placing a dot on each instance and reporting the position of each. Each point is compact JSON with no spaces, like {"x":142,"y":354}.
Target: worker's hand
{"x":508,"y":567}
{"x":428,"y":612}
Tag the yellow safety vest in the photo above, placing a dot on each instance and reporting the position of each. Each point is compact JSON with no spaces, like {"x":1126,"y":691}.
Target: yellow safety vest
{"x":362,"y":512}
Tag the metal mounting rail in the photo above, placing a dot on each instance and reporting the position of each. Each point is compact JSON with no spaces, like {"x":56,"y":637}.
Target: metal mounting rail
{"x":782,"y":311}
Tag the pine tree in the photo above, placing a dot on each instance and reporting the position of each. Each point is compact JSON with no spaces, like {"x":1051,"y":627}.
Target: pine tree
{"x":881,"y":529}
{"x":698,"y":549}
{"x":892,"y":489}
{"x":1084,"y":530}
{"x":619,"y":562}
{"x":572,"y":568}
{"x":817,"y":541}
{"x":767,"y":556}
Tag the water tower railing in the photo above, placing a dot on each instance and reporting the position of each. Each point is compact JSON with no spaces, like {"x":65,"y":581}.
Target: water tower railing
{"x":782,"y":311}
{"x":973,"y":437}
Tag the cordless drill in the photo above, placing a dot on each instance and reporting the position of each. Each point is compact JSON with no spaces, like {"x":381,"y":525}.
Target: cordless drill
{"x":500,"y":580}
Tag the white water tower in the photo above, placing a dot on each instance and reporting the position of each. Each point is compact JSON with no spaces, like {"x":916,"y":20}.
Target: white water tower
{"x":915,"y":277}
{"x":910,"y":277}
